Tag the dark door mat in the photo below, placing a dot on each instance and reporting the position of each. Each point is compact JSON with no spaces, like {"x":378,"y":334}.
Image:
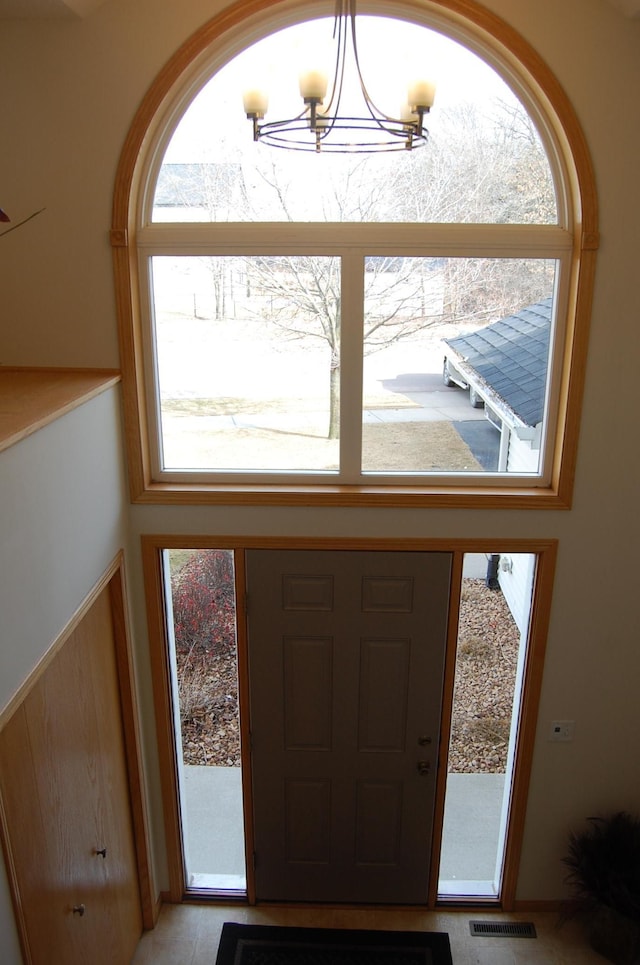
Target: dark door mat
{"x":278,"y":945}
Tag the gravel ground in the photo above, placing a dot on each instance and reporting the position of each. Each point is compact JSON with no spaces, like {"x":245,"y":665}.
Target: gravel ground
{"x":483,"y":696}
{"x":488,"y":641}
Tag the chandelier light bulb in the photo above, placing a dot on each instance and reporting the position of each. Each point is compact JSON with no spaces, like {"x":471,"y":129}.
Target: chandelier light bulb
{"x":313,"y":85}
{"x":421,"y":95}
{"x":407,"y":114}
{"x":256,"y":102}
{"x":322,"y":120}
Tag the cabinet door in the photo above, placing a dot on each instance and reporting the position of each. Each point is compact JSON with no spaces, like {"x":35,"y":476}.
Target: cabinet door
{"x":67,"y":816}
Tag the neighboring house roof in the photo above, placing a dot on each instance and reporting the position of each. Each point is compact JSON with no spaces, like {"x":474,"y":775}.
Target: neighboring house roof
{"x":510,"y":357}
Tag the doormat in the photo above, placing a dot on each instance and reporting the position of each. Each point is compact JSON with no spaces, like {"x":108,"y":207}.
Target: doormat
{"x":279,"y":945}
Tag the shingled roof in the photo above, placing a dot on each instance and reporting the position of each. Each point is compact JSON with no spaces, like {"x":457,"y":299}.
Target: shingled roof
{"x":510,"y":357}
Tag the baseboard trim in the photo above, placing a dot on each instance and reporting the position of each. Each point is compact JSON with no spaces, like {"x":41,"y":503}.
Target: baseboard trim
{"x":533,"y":905}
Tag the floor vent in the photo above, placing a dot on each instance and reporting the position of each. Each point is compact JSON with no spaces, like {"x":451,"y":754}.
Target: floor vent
{"x":503,"y":929}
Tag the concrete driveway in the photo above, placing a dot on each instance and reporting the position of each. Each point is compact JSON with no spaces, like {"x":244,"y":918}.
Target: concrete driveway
{"x":441,"y":404}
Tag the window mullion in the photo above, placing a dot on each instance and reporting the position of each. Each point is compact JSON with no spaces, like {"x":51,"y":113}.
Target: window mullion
{"x":351,"y":349}
{"x":462,"y":240}
{"x":152,"y":376}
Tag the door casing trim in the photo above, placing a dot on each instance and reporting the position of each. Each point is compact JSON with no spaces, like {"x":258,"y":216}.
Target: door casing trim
{"x":546,"y":552}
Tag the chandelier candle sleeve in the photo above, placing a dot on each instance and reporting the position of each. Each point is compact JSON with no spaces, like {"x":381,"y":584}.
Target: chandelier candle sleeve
{"x":322,"y":120}
{"x":256,"y":102}
{"x":313,"y":85}
{"x":407,"y":114}
{"x":422,"y":94}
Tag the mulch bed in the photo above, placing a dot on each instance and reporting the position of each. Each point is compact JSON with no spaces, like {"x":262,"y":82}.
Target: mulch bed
{"x":485,"y":676}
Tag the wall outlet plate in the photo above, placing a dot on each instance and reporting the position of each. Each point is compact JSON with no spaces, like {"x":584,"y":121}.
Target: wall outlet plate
{"x":561,"y":730}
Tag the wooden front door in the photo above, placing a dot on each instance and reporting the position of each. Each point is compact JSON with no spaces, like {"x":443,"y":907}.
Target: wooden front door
{"x":346,"y":658}
{"x":67,"y":816}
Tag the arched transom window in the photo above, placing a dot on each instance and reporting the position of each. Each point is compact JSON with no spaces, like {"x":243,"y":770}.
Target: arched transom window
{"x":345,"y":326}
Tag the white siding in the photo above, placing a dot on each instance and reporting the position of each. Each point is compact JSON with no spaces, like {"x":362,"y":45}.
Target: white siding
{"x":521,"y":458}
{"x":517,"y":586}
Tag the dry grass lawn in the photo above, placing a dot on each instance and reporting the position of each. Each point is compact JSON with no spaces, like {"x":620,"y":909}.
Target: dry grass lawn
{"x":197,"y":442}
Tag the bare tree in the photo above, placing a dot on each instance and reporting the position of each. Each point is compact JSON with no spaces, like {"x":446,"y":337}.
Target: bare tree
{"x":304,"y":292}
{"x":479,"y":167}
{"x":204,"y":191}
{"x":482,"y":168}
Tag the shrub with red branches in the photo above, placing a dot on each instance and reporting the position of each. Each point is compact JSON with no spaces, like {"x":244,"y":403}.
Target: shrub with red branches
{"x":204,"y":603}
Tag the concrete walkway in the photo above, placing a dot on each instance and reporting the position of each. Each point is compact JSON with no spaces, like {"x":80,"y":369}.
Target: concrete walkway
{"x":432,"y":402}
{"x":215,"y":842}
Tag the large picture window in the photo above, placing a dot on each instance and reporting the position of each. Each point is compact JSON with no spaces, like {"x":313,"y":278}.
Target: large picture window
{"x":256,"y":374}
{"x":338,"y":326}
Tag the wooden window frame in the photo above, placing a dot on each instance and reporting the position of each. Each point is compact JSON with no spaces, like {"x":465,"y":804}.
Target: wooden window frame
{"x":499,"y":44}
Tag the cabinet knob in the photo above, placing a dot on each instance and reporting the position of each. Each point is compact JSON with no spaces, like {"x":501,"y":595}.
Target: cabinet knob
{"x":102,"y":852}
{"x":78,"y":910}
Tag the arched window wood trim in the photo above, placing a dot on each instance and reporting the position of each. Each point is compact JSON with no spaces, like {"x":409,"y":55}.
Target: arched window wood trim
{"x":573,"y":158}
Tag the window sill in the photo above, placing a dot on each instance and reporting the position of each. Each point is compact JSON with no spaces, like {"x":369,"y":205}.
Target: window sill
{"x":403,"y":497}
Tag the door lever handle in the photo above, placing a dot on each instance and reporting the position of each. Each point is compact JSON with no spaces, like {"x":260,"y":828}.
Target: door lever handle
{"x":423,"y":768}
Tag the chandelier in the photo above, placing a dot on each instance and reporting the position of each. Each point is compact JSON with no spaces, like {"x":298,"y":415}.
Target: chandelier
{"x":322,"y":127}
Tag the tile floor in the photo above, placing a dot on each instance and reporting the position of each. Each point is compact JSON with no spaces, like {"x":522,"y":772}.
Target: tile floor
{"x":188,"y":934}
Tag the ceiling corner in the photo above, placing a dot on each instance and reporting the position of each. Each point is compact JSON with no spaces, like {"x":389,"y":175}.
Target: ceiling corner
{"x":47,"y":9}
{"x":83,"y":7}
{"x":631,"y":8}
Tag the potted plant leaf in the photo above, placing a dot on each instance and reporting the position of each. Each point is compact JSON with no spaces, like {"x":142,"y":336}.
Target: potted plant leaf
{"x":604,"y":878}
{"x":4,"y":219}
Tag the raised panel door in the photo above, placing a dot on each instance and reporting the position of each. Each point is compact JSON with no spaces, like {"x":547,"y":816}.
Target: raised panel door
{"x":346,"y":658}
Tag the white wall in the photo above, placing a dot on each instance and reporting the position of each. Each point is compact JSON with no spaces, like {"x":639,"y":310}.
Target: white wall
{"x":63,"y":522}
{"x":66,"y":523}
{"x":69,"y":93}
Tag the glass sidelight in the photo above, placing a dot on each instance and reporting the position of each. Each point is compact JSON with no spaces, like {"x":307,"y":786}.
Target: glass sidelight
{"x":201,"y":609}
{"x":495,"y":607}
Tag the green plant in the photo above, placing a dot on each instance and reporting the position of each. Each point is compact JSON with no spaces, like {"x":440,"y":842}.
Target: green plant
{"x":604,"y":878}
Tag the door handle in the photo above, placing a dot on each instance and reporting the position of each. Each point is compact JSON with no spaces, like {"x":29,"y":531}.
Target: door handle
{"x":423,"y":768}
